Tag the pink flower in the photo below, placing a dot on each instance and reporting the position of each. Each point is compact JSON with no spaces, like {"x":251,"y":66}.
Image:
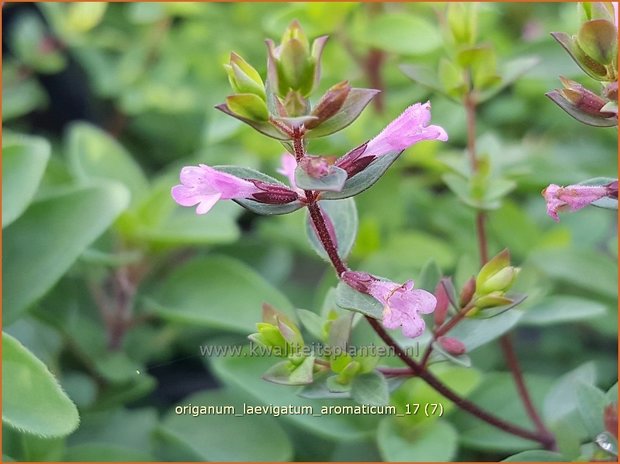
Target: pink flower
{"x":288,"y":164}
{"x":575,"y":197}
{"x":402,"y":304}
{"x":409,"y":128}
{"x":204,"y":186}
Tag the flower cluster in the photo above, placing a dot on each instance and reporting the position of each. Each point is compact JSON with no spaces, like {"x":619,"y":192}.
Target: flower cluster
{"x":280,"y":108}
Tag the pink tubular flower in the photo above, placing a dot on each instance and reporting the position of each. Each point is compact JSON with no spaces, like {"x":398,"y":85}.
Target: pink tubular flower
{"x":409,"y":128}
{"x":204,"y":186}
{"x":402,"y":304}
{"x":288,"y":164}
{"x":575,"y":197}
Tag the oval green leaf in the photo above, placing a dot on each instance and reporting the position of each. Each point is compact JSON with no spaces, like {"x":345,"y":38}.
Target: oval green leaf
{"x":32,"y":399}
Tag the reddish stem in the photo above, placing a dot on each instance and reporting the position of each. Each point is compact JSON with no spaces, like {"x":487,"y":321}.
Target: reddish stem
{"x":505,"y":341}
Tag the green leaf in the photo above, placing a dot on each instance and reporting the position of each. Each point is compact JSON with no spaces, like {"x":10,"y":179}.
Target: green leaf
{"x":535,"y":456}
{"x":591,"y":402}
{"x":82,"y":17}
{"x":429,"y":276}
{"x":33,"y":44}
{"x":23,"y":162}
{"x":401,"y":33}
{"x":578,"y":114}
{"x":599,"y":40}
{"x":116,"y":433}
{"x":287,"y":373}
{"x":20,"y":94}
{"x":52,"y":233}
{"x":510,"y":72}
{"x":348,"y":298}
{"x":312,"y":322}
{"x":333,"y":181}
{"x":562,"y":397}
{"x":229,"y":438}
{"x":477,"y":332}
{"x":562,"y":309}
{"x":371,"y":389}
{"x":93,"y":452}
{"x":260,"y":208}
{"x":343,"y":217}
{"x":498,"y":394}
{"x":264,"y":127}
{"x":94,"y":155}
{"x":364,"y":179}
{"x":427,"y":77}
{"x":218,"y":292}
{"x":436,"y":441}
{"x":354,"y":104}
{"x":24,"y":447}
{"x":32,"y":399}
{"x":415,"y":391}
{"x":586,"y":269}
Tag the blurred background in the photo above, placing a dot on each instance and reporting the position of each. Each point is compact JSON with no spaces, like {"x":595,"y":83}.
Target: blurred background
{"x":116,"y":289}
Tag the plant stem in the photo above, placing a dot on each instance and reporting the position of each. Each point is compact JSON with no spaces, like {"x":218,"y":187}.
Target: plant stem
{"x":415,"y":368}
{"x":513,"y":363}
{"x":459,"y":401}
{"x":505,"y":341}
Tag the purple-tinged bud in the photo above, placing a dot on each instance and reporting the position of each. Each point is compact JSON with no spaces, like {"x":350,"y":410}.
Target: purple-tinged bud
{"x":441,"y":309}
{"x":452,"y":345}
{"x":359,"y":281}
{"x":582,"y":98}
{"x":330,"y":103}
{"x":315,"y":166}
{"x":354,"y":161}
{"x":467,"y":292}
{"x":272,"y":194}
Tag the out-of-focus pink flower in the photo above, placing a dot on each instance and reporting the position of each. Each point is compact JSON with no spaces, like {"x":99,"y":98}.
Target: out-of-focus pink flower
{"x":411,"y":127}
{"x":575,"y":197}
{"x":288,"y":163}
{"x":203,"y":186}
{"x":402,"y":304}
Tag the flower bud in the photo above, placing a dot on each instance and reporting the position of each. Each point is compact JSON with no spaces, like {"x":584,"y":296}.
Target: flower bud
{"x":293,"y":65}
{"x":248,"y":106}
{"x":330,"y":103}
{"x":496,"y":264}
{"x":492,"y":300}
{"x":243,"y":77}
{"x":582,"y":98}
{"x":467,"y":292}
{"x":315,"y":166}
{"x":494,"y":280}
{"x":598,"y":39}
{"x":272,"y":194}
{"x":452,"y":345}
{"x":441,"y":309}
{"x":501,"y":281}
{"x":277,"y":331}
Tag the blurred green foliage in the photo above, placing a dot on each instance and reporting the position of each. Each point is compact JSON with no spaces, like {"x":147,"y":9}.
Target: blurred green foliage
{"x":102,"y":105}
